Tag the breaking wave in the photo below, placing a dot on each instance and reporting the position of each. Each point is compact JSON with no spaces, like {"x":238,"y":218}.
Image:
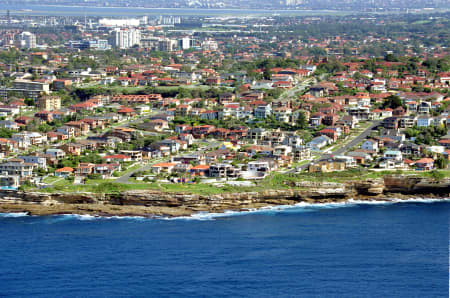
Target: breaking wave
{"x":302,"y":207}
{"x":14,"y":214}
{"x":202,"y":216}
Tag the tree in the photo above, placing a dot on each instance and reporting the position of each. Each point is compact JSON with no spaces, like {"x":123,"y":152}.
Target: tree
{"x":441,"y":163}
{"x":302,"y":122}
{"x":5,"y":133}
{"x":29,"y":102}
{"x":437,"y":176}
{"x":392,"y":102}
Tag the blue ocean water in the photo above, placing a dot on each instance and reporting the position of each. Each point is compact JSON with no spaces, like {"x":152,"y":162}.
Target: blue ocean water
{"x":352,"y":250}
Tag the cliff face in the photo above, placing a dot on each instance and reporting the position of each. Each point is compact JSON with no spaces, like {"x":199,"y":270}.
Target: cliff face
{"x":416,"y":185}
{"x":155,"y":202}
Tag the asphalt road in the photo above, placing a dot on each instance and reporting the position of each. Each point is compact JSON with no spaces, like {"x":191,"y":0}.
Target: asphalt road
{"x":346,"y":147}
{"x":148,"y":167}
{"x":290,"y":93}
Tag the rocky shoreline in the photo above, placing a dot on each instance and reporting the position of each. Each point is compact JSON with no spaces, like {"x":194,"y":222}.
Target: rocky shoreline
{"x":150,"y":203}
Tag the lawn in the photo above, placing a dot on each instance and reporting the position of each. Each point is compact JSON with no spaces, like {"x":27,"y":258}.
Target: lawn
{"x":275,"y":181}
{"x":130,"y":169}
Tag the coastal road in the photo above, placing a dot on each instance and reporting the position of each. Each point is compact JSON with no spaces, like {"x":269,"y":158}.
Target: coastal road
{"x":358,"y":139}
{"x":147,"y":167}
{"x":290,"y":93}
{"x":346,"y":147}
{"x":127,"y":176}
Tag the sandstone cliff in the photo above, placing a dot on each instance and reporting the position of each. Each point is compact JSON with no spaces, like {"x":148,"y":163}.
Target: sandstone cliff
{"x":148,"y":202}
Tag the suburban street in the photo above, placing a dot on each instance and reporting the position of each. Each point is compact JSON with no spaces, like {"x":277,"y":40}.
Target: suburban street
{"x":344,"y":148}
{"x":290,"y":93}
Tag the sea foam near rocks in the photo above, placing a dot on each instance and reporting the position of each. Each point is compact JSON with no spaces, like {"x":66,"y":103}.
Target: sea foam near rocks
{"x":14,"y":214}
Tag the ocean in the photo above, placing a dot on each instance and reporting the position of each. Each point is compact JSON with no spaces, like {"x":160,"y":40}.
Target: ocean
{"x":329,"y":250}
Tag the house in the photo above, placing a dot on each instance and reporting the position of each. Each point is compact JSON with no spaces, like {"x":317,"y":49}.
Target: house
{"x":49,"y":103}
{"x":282,"y":114}
{"x":81,"y":127}
{"x":263,"y":111}
{"x":24,"y":120}
{"x":117,"y":158}
{"x":183,"y":109}
{"x":259,"y":149}
{"x":371,"y":145}
{"x":424,"y":164}
{"x":350,"y":161}
{"x":201,"y":131}
{"x":292,"y":141}
{"x":127,"y":112}
{"x":319,"y":142}
{"x":407,"y":121}
{"x":72,"y":149}
{"x":198,"y":158}
{"x":199,"y":170}
{"x":39,"y":161}
{"x":424,"y":107}
{"x":214,"y":156}
{"x":44,"y":116}
{"x":155,"y":125}
{"x":7,"y":145}
{"x":301,"y":153}
{"x":163,"y":167}
{"x":398,"y":112}
{"x":326,"y":166}
{"x":223,"y":170}
{"x":57,"y":153}
{"x":332,"y":134}
{"x":182,"y":168}
{"x":228,"y":145}
{"x":282,"y":150}
{"x":318,"y":91}
{"x":330,"y":119}
{"x":259,"y":166}
{"x":25,"y":139}
{"x":85,"y":169}
{"x":349,"y":120}
{"x":410,"y":149}
{"x":257,"y":133}
{"x":9,"y":182}
{"x":142,"y":109}
{"x":390,"y":123}
{"x":135,"y":155}
{"x":106,"y":170}
{"x":445,"y":143}
{"x":213,"y":80}
{"x":412,"y":106}
{"x":17,"y":167}
{"x":316,"y":119}
{"x":424,"y":121}
{"x":394,"y":155}
{"x":68,"y":131}
{"x":64,"y":172}
{"x":360,"y":157}
{"x":8,"y":124}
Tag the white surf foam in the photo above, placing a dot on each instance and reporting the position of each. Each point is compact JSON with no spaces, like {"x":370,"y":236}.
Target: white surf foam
{"x":14,"y":214}
{"x":203,"y":216}
{"x":78,"y":216}
{"x":302,"y":207}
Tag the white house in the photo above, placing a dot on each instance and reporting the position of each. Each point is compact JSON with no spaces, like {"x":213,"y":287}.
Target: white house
{"x":371,"y":145}
{"x":424,"y":121}
{"x":394,"y":155}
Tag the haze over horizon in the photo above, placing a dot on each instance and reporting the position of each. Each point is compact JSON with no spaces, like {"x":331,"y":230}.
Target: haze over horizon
{"x":357,"y":5}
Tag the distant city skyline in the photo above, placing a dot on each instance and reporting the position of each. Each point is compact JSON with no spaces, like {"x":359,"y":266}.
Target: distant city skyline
{"x":253,"y":4}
